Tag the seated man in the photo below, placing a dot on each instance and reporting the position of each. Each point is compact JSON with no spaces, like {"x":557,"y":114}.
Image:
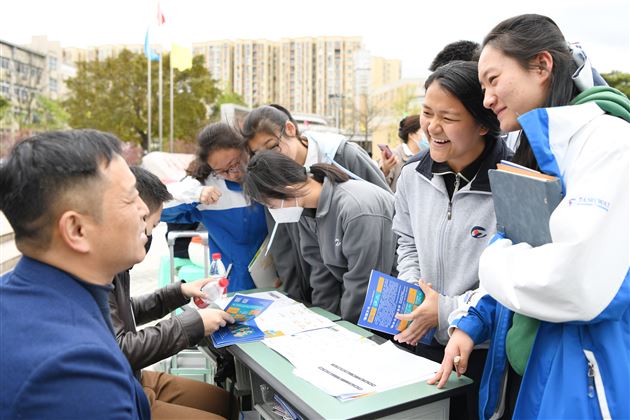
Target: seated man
{"x":170,"y":396}
{"x":78,"y":220}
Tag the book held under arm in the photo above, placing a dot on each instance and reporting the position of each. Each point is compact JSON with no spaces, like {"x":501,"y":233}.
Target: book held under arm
{"x":523,"y":202}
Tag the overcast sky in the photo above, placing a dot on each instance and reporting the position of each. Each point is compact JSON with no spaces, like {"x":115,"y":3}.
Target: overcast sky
{"x":410,"y":30}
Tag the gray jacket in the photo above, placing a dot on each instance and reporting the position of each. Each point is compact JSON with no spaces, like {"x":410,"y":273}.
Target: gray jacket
{"x":439,"y":249}
{"x":349,"y":235}
{"x":285,"y":249}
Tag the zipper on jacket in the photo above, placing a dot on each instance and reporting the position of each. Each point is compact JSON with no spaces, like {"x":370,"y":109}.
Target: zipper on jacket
{"x":591,"y":380}
{"x":596,"y":384}
{"x":449,"y":212}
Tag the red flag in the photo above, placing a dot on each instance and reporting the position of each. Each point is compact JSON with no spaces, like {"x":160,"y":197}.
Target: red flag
{"x":160,"y":15}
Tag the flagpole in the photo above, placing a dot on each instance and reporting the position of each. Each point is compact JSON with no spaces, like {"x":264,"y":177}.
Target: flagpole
{"x":149,"y":144}
{"x":170,"y":135}
{"x":160,"y":100}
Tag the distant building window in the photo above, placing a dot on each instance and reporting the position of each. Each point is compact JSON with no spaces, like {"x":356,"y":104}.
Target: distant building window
{"x":52,"y":63}
{"x":52,"y":84}
{"x":4,"y":62}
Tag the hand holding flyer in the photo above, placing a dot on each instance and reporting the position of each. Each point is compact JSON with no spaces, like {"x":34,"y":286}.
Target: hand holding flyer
{"x":387,"y":296}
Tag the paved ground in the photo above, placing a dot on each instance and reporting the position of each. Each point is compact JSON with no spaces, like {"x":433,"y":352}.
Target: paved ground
{"x":144,"y":276}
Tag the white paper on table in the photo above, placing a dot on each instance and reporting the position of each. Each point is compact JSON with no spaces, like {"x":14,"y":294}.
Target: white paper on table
{"x":317,"y":346}
{"x":290,"y":319}
{"x":346,"y":365}
{"x":279,"y":299}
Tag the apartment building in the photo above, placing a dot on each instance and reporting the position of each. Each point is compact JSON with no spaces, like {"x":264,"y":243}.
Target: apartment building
{"x":59,"y":66}
{"x":21,"y":80}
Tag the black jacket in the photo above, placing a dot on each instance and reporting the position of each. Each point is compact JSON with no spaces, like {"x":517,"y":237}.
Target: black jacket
{"x":152,"y":344}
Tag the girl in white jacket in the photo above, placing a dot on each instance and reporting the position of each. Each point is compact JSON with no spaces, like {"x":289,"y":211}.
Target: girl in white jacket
{"x":558,"y":314}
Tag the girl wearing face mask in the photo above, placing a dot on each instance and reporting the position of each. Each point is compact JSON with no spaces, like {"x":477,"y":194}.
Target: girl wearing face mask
{"x":412,"y":143}
{"x":213,"y":195}
{"x":444,"y":210}
{"x":345,"y":225}
{"x":272,"y":127}
{"x":558,"y":314}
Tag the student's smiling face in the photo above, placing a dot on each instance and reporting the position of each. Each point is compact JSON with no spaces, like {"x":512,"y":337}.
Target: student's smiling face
{"x":511,"y":90}
{"x":284,"y":141}
{"x":454,"y":136}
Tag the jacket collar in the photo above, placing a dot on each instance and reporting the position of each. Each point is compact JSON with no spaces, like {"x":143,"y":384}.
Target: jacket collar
{"x":41,"y":274}
{"x":549,"y":131}
{"x":325,"y":198}
{"x":327,"y":145}
{"x":492,"y":154}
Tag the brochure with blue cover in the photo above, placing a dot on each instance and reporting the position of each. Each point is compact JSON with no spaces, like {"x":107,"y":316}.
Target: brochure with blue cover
{"x":244,"y":309}
{"x":387,"y":296}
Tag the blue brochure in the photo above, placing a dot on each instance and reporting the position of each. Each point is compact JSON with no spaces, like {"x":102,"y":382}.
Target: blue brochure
{"x":387,"y":296}
{"x":244,"y":309}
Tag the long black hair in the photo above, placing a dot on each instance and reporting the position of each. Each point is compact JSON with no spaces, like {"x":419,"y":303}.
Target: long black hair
{"x":217,"y":136}
{"x":269,"y":119}
{"x":272,"y":175}
{"x":522,"y":38}
{"x":460,"y":79}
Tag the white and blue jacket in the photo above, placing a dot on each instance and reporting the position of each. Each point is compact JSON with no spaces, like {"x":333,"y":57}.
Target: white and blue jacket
{"x":236,"y":227}
{"x":578,"y":285}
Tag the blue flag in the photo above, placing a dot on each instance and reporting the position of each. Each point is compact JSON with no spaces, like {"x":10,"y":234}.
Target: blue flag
{"x":148,"y":52}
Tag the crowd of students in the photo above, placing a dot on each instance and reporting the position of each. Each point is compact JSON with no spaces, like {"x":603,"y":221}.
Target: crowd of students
{"x":543,"y":331}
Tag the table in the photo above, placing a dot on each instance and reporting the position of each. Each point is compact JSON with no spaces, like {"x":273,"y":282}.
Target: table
{"x":263,"y":372}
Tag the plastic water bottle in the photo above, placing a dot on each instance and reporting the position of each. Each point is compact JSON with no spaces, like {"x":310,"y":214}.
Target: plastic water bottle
{"x":214,"y":290}
{"x":216,"y":266}
{"x":218,"y":286}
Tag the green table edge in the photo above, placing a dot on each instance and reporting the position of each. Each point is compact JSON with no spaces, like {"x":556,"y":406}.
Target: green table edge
{"x":326,"y":406}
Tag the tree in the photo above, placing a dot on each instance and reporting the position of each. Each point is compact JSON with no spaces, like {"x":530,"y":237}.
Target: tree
{"x":111,"y":95}
{"x":49,"y":115}
{"x":227,"y":97}
{"x":618,"y":80}
{"x":5,"y":106}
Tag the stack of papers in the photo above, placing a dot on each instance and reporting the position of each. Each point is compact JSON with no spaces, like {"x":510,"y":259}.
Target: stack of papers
{"x":265,"y":314}
{"x":346,"y":365}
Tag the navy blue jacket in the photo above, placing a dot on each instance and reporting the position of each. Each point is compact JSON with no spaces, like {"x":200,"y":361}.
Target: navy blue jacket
{"x":58,"y":354}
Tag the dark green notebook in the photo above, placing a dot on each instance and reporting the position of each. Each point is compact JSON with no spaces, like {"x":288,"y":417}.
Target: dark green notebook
{"x":523,"y":205}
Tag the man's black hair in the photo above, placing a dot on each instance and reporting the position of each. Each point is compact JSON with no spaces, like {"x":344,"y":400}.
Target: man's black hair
{"x":459,"y":50}
{"x":45,"y":172}
{"x":152,"y":191}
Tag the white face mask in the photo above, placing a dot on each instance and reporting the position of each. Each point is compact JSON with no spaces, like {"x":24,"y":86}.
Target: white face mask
{"x":283,"y":215}
{"x":287,"y":214}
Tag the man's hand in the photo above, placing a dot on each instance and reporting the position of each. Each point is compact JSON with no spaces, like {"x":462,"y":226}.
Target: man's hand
{"x":193,"y":289}
{"x":388,"y":164}
{"x":423,"y":318}
{"x":456,"y":353}
{"x":209,"y":195}
{"x":213,"y":319}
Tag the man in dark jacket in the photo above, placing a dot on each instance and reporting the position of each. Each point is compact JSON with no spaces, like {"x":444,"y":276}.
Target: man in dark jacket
{"x":170,"y":396}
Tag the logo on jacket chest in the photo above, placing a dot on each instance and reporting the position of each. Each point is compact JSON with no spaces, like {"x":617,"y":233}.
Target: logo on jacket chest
{"x":478,"y":232}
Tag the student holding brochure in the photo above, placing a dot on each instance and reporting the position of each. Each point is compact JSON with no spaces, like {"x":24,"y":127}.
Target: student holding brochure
{"x":444,"y":210}
{"x":558,"y":314}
